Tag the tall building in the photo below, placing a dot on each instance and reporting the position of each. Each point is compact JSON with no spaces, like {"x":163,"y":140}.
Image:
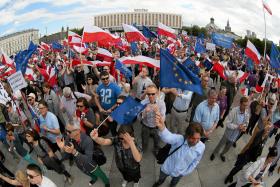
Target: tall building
{"x":114,"y":21}
{"x":228,"y":28}
{"x":12,"y":43}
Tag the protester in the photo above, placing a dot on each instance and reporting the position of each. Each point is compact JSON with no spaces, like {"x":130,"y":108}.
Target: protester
{"x":35,"y":176}
{"x":186,"y":158}
{"x":20,"y":179}
{"x":127,"y":153}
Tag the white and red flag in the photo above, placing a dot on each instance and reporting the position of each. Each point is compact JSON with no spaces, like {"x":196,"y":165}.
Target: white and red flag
{"x":74,"y":39}
{"x":142,"y":60}
{"x":7,"y":61}
{"x":94,"y":34}
{"x":267,"y":8}
{"x":104,"y":55}
{"x":166,"y":31}
{"x":45,"y":46}
{"x":132,"y":34}
{"x":252,"y":52}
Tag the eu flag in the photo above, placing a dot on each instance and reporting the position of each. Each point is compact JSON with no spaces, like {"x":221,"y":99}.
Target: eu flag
{"x":199,"y":48}
{"x":21,"y":59}
{"x":57,"y":46}
{"x":250,"y":64}
{"x":222,"y":40}
{"x":274,"y":57}
{"x":123,"y":69}
{"x":191,"y":66}
{"x":208,"y":65}
{"x":134,"y":48}
{"x":148,"y":33}
{"x":175,"y":75}
{"x":127,"y":111}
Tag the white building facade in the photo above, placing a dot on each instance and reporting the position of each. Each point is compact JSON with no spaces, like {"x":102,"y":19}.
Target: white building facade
{"x":17,"y":41}
{"x":139,"y":17}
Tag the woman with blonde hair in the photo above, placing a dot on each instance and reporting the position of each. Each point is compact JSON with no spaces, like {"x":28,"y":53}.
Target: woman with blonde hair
{"x":20,"y":179}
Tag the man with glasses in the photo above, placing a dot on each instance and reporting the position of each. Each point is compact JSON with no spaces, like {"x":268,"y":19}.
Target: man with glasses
{"x":35,"y":176}
{"x":85,"y":114}
{"x":207,"y":114}
{"x":141,"y":82}
{"x":49,"y":124}
{"x":80,"y":146}
{"x":107,"y":69}
{"x":153,"y":104}
{"x":107,"y":94}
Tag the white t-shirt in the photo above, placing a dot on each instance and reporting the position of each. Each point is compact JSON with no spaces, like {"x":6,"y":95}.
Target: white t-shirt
{"x":46,"y":182}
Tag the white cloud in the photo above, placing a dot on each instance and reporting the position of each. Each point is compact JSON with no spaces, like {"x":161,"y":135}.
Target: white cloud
{"x":243,"y":14}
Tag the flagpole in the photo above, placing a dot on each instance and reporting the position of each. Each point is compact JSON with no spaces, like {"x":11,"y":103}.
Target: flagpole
{"x":264,"y":53}
{"x":102,"y":122}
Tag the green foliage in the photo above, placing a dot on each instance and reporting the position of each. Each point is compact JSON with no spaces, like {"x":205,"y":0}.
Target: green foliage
{"x":195,"y":30}
{"x":78,"y":31}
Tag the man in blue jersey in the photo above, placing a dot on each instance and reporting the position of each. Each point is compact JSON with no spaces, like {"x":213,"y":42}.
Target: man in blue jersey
{"x":106,"y":98}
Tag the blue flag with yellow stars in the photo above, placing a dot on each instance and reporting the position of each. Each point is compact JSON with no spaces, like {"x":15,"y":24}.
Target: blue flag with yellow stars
{"x":191,"y":66}
{"x":173,"y":74}
{"x":127,"y":111}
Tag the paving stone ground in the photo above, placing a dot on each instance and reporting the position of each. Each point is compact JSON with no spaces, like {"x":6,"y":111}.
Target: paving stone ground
{"x":207,"y":174}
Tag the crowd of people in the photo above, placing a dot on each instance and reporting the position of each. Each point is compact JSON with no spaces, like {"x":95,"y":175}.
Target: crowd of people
{"x":61,"y":121}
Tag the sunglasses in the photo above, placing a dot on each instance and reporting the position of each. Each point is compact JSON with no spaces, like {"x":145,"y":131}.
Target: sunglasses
{"x":118,"y":103}
{"x":105,"y":69}
{"x":31,"y":176}
{"x":69,"y":132}
{"x":105,"y":78}
{"x":80,"y":106}
{"x":149,"y":94}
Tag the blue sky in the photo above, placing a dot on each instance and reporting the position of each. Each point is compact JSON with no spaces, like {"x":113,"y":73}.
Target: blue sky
{"x":18,"y":15}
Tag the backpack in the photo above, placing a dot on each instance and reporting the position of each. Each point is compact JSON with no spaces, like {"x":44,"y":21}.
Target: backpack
{"x":98,"y":155}
{"x":163,"y":152}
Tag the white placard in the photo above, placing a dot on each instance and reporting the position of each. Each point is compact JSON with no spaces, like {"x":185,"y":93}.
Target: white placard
{"x":4,"y":97}
{"x":17,"y":81}
{"x":210,"y":46}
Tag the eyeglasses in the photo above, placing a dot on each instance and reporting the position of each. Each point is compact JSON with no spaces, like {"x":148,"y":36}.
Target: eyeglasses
{"x":105,"y":78}
{"x":32,"y":176}
{"x":149,"y":94}
{"x":69,"y":132}
{"x":80,"y":106}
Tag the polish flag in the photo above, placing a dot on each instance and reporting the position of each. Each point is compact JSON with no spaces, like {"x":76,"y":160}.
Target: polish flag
{"x":45,"y":46}
{"x":220,"y":70}
{"x":95,"y":34}
{"x":49,"y":75}
{"x":5,"y":59}
{"x":166,"y":31}
{"x":98,"y":63}
{"x":104,"y":55}
{"x":29,"y":74}
{"x":82,"y":50}
{"x":132,"y":34}
{"x":142,"y":60}
{"x":5,"y":72}
{"x":244,"y":91}
{"x":242,"y":76}
{"x":267,"y":58}
{"x":74,"y":39}
{"x":265,"y":5}
{"x":259,"y":88}
{"x":252,"y":52}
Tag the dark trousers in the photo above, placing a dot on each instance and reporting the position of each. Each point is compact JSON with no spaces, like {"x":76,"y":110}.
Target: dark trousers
{"x":53,"y":163}
{"x":131,"y":175}
{"x":252,"y":123}
{"x":234,"y":184}
{"x":163,"y":176}
{"x":277,"y":183}
{"x":145,"y":134}
{"x":239,"y":164}
{"x":113,"y":127}
{"x":221,"y":121}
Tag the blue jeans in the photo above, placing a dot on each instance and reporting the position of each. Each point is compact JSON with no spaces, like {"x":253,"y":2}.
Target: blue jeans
{"x":162,"y":177}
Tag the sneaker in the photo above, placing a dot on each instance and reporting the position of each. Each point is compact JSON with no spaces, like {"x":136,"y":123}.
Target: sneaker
{"x":223,"y":158}
{"x":124,"y":183}
{"x":228,"y":180}
{"x":91,"y":182}
{"x":136,"y":184}
{"x":212,"y":157}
